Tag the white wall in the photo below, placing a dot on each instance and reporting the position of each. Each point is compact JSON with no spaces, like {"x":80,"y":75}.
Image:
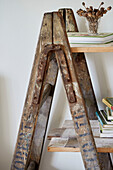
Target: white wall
{"x":20,"y":22}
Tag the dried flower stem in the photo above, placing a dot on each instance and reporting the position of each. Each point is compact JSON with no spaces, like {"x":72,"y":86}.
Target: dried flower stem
{"x":93,"y":14}
{"x":102,"y":3}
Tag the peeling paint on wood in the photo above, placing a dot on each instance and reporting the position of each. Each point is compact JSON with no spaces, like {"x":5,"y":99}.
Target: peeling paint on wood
{"x":84,"y":134}
{"x":53,"y":40}
{"x":38,"y":140}
{"x":31,"y":107}
{"x":85,"y":81}
{"x":68,"y":132}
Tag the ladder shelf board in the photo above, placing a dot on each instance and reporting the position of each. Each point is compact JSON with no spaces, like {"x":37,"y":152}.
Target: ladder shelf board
{"x":64,"y":139}
{"x":92,"y":47}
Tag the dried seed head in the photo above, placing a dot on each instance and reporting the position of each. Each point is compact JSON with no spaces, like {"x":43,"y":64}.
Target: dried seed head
{"x":80,"y":12}
{"x":98,"y":13}
{"x":96,"y":10}
{"x":93,"y":13}
{"x":102,"y":9}
{"x":101,"y":15}
{"x":102,"y":3}
{"x":91,"y":7}
{"x":88,"y":9}
{"x":89,"y":14}
{"x":109,"y":8}
{"x":83,"y":3}
{"x":105,"y":11}
{"x":85,"y":14}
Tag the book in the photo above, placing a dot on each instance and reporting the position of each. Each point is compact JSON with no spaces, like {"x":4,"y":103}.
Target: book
{"x":104,"y":115}
{"x":102,"y":120}
{"x":108,"y":101}
{"x":109,"y":113}
{"x":82,"y":37}
{"x":105,"y":135}
{"x":105,"y":130}
{"x":105,"y":126}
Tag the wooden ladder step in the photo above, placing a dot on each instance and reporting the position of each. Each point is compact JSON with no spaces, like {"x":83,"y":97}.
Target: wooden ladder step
{"x":64,"y":139}
{"x":92,"y":47}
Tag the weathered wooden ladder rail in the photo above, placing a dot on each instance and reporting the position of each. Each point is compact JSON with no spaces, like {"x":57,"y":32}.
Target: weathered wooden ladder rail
{"x":53,"y":52}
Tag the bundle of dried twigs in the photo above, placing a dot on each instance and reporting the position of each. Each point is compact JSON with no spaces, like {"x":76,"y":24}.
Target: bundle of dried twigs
{"x":93,"y":15}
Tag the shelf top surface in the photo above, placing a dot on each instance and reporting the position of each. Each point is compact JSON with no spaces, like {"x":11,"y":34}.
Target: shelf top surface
{"x":64,"y":139}
{"x":92,"y":47}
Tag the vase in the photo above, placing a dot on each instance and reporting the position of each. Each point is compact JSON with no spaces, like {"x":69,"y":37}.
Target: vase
{"x":93,"y":26}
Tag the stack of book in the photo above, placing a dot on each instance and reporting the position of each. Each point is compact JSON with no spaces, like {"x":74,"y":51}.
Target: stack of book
{"x":87,"y":38}
{"x":105,"y":118}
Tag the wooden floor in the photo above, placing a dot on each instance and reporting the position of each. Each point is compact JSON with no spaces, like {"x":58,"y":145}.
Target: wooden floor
{"x":64,"y":139}
{"x":92,"y":47}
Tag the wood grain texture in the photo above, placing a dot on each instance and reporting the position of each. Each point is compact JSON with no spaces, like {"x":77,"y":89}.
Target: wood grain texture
{"x":67,"y":130}
{"x":52,"y":38}
{"x":77,"y":107}
{"x":38,"y":139}
{"x":69,"y":124}
{"x":86,"y":87}
{"x":105,"y":161}
{"x":85,"y":84}
{"x":32,"y":103}
{"x":71,"y":145}
{"x":69,"y":21}
{"x":91,"y":48}
{"x":65,"y":139}
{"x":43,"y":116}
{"x":32,"y":166}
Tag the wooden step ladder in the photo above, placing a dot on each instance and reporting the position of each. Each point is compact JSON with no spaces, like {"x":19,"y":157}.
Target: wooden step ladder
{"x":53,"y":52}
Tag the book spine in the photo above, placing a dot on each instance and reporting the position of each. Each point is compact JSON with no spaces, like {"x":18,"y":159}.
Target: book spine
{"x":103,"y":135}
{"x":99,"y":118}
{"x":111,"y":111}
{"x":112,"y":108}
{"x":107,"y":104}
{"x":104,"y":115}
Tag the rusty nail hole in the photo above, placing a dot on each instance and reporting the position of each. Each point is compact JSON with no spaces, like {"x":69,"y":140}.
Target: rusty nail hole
{"x":72,"y":99}
{"x":68,"y":80}
{"x":42,"y":62}
{"x":62,"y":62}
{"x":35,"y":97}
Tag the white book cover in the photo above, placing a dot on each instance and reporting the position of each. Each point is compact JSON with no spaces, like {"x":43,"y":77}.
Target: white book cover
{"x":82,"y":37}
{"x":103,"y":135}
{"x":108,"y":122}
{"x":109,"y":113}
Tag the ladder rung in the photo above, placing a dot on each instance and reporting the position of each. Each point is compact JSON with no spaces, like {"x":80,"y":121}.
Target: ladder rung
{"x":64,"y":139}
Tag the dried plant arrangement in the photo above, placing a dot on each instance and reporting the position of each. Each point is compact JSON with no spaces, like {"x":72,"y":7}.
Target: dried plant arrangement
{"x":93,"y":15}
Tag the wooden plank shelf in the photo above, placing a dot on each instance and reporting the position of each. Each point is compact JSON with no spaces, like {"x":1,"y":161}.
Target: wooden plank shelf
{"x":64,"y":139}
{"x":92,"y":47}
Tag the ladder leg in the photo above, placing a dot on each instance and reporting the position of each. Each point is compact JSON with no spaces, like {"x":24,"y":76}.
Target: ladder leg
{"x":81,"y":123}
{"x":85,"y":82}
{"x":77,"y":108}
{"x":33,"y":99}
{"x":82,"y":69}
{"x":90,"y":101}
{"x":42,"y":121}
